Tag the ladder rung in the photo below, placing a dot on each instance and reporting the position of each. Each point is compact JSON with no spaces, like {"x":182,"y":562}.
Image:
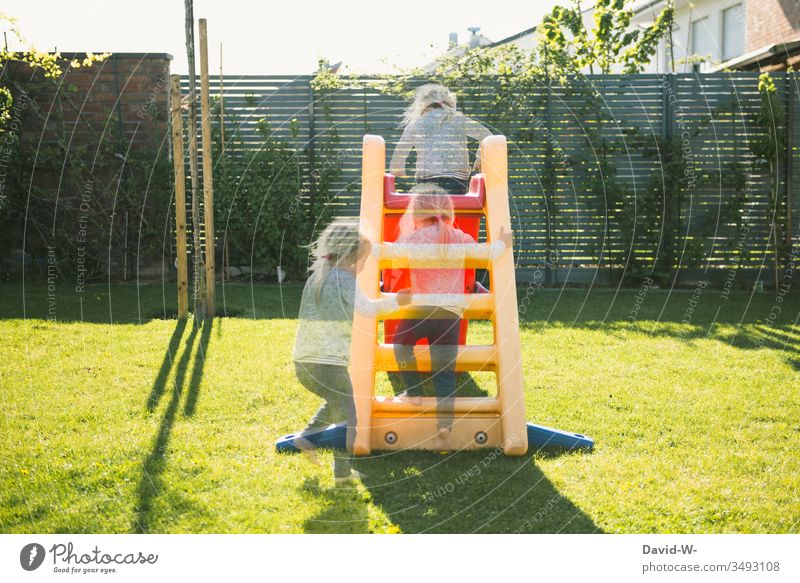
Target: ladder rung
{"x":469,"y":358}
{"x":422,"y":256}
{"x":388,"y":406}
{"x":476,"y":307}
{"x":411,"y":263}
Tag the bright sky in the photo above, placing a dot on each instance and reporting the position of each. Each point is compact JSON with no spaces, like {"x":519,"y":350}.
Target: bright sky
{"x":264,"y":37}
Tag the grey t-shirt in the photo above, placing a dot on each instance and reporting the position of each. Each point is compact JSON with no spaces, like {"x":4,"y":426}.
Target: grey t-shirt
{"x":325,"y":326}
{"x":440,"y":138}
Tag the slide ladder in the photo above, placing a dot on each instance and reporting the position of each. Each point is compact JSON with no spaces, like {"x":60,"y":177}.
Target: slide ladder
{"x":394,"y":423}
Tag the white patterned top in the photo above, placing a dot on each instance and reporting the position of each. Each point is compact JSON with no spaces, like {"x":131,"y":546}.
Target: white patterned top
{"x":440,"y":139}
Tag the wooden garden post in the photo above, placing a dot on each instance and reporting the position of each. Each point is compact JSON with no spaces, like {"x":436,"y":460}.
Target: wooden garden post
{"x":198,"y":276}
{"x":180,"y":194}
{"x":208,"y":182}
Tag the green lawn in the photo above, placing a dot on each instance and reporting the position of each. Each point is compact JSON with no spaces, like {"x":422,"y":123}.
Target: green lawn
{"x":115,"y":419}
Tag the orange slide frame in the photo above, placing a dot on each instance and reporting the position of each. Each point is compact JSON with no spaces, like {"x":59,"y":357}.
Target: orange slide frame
{"x":385,"y":423}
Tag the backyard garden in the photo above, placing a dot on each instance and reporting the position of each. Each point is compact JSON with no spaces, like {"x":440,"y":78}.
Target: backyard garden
{"x":156,"y":235}
{"x":121,"y":420}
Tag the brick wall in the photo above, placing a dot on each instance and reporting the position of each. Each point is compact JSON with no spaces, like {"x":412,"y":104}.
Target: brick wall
{"x":110,"y":109}
{"x":126,"y":95}
{"x":771,"y":21}
{"x":95,"y":150}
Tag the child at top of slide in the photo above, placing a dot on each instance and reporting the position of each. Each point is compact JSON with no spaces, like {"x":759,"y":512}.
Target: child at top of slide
{"x":322,"y":346}
{"x":431,"y":215}
{"x":438,"y":132}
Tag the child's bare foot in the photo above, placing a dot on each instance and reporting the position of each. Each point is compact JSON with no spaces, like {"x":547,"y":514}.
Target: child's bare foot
{"x":415,"y":400}
{"x":442,"y":439}
{"x":354,"y":475}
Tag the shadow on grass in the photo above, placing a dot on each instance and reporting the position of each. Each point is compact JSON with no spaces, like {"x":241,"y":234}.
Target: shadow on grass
{"x":166,"y":366}
{"x":469,"y":492}
{"x":131,"y":303}
{"x":784,"y":338}
{"x":345,"y":510}
{"x":466,"y":386}
{"x":150,"y":483}
{"x":194,"y":385}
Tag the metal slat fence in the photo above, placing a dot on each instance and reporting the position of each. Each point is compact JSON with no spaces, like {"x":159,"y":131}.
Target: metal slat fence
{"x":592,"y":165}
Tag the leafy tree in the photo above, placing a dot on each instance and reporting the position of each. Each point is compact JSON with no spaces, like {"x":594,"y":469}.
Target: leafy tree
{"x":567,"y":47}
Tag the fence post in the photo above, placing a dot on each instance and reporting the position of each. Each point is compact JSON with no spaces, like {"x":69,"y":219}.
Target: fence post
{"x":549,"y":277}
{"x":312,"y":154}
{"x":221,"y":107}
{"x":208,"y":182}
{"x":670,"y":195}
{"x":791,"y":79}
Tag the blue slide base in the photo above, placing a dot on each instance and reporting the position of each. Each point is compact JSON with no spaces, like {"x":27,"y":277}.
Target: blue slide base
{"x":331,"y":437}
{"x":539,"y":437}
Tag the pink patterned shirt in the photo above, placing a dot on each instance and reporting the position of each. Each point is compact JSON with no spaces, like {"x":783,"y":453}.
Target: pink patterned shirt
{"x":436,"y":281}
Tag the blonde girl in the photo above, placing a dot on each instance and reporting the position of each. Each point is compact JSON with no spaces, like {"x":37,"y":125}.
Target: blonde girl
{"x":322,"y":346}
{"x":438,"y":132}
{"x":431,"y":215}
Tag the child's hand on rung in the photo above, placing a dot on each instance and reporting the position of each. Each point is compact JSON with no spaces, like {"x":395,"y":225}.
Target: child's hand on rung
{"x":505,"y":237}
{"x":404,"y":297}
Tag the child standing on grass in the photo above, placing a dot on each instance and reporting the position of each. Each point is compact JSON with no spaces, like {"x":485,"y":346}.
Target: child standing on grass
{"x":438,"y":132}
{"x":322,"y":347}
{"x":431,"y":215}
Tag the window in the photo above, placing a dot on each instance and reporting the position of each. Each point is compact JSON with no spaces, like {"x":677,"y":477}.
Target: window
{"x":702,"y":43}
{"x":732,"y":32}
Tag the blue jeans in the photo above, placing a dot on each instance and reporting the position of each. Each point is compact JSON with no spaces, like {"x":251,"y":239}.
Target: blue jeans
{"x":442,"y":336}
{"x":332,"y":383}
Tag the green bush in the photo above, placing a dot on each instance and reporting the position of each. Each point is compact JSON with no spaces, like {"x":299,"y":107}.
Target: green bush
{"x":261,"y":213}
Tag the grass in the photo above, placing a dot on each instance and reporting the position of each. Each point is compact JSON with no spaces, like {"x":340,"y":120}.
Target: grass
{"x":115,"y":419}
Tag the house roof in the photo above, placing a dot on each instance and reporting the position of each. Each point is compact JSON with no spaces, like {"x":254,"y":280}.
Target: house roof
{"x":514,"y":37}
{"x":768,"y":55}
{"x":459,"y":50}
{"x":644,"y":5}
